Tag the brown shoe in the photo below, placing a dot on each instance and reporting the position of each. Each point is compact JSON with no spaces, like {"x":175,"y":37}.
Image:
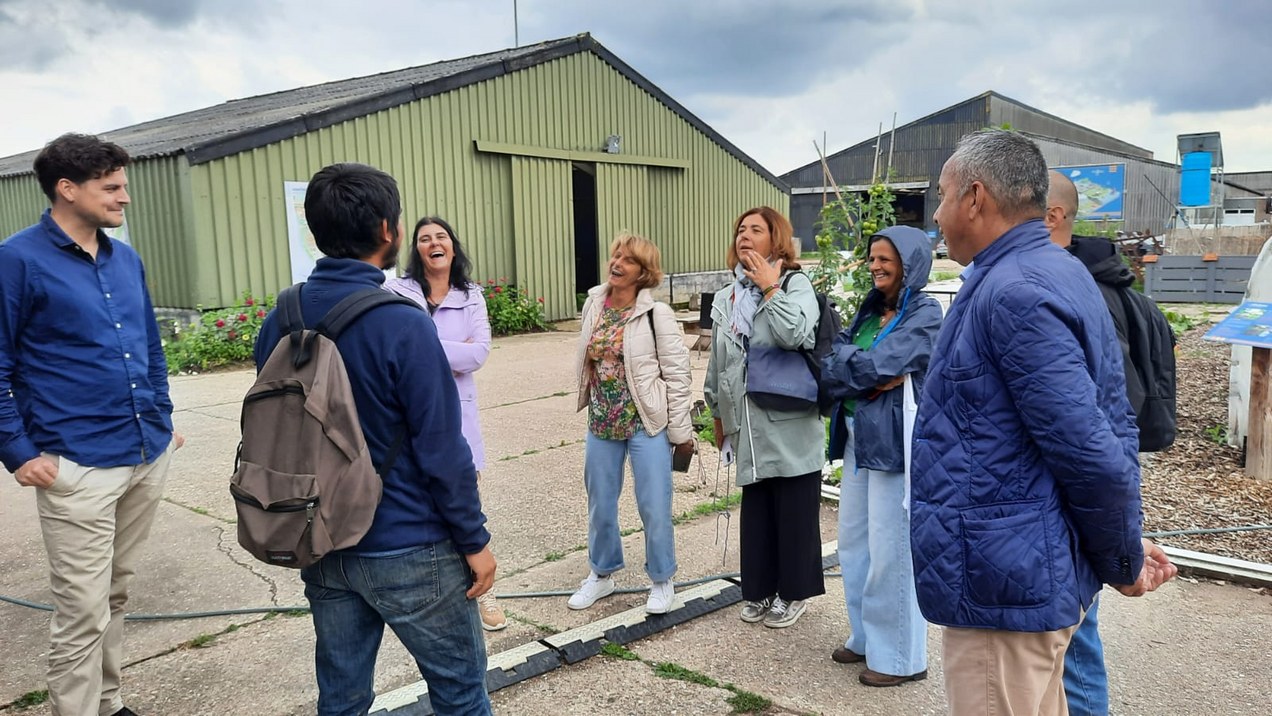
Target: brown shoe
{"x":844,"y":655}
{"x":492,"y":615}
{"x":869,"y":677}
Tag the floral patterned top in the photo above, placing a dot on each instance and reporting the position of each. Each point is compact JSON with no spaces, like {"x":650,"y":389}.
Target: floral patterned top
{"x":612,"y":411}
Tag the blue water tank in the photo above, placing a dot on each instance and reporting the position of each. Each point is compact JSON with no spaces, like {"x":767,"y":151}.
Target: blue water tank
{"x":1194,"y":182}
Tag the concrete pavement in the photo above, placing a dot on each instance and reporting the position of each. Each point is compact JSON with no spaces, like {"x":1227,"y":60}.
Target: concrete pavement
{"x":1192,"y":648}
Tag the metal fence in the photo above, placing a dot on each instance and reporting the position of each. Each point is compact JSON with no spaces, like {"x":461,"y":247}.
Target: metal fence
{"x":1189,"y":279}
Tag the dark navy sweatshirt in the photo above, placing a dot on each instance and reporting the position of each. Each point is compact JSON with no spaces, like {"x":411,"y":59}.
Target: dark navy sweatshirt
{"x":400,"y":377}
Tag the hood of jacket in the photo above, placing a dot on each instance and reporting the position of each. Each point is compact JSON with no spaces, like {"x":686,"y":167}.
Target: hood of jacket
{"x":915,"y":250}
{"x":1102,"y":259}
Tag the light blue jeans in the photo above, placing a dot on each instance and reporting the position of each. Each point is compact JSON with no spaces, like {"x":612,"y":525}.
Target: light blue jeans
{"x":874,"y":556}
{"x":419,"y":593}
{"x":1086,"y":682}
{"x":651,"y":476}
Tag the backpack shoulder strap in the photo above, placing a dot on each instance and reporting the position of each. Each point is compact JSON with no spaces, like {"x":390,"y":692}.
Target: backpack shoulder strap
{"x":289,"y":315}
{"x":291,"y":324}
{"x":351,"y":307}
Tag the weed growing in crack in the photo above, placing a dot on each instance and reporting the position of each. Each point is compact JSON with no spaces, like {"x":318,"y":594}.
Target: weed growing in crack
{"x":31,"y":698}
{"x":618,"y":651}
{"x":745,"y":702}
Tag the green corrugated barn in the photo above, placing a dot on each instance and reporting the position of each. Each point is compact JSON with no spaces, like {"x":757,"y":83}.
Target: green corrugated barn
{"x":538,"y":155}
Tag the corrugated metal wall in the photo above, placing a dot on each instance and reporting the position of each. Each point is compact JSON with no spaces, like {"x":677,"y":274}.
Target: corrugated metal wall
{"x":622,"y":205}
{"x":572,"y":103}
{"x":1143,"y":207}
{"x":21,"y":203}
{"x":922,"y":150}
{"x":1027,"y":119}
{"x":159,"y":224}
{"x":544,"y":232}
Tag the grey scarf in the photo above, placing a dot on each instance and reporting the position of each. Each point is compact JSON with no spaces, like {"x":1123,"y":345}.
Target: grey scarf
{"x":746,"y":300}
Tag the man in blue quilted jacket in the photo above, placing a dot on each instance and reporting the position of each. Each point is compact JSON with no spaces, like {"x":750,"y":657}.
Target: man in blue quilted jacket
{"x":1025,"y":480}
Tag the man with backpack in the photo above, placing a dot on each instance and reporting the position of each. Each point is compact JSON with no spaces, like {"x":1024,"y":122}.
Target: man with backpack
{"x":425,"y":558}
{"x":1148,"y":361}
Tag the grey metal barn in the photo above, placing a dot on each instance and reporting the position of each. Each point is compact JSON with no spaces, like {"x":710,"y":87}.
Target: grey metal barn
{"x":923,"y":145}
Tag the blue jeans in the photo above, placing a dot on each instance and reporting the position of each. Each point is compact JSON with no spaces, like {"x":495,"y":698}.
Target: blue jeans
{"x":874,"y":557}
{"x":1086,"y":682}
{"x":651,"y":477}
{"x":420,"y":594}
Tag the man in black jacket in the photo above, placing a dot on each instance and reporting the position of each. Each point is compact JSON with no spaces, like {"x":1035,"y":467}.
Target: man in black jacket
{"x":1086,"y":683}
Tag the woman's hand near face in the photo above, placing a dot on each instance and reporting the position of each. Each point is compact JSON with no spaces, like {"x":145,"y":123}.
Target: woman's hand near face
{"x":759,"y":271}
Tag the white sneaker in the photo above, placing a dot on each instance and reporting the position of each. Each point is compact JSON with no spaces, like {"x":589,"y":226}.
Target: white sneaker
{"x":662,"y":598}
{"x":590,"y":590}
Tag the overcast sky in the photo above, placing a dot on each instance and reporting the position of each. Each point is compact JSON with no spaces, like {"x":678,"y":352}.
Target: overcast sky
{"x":770,"y":75}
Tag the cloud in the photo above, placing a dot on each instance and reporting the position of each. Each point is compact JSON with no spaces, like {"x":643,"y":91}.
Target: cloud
{"x":770,"y":75}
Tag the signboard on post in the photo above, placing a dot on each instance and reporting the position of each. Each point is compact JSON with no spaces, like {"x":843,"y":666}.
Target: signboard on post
{"x":1251,"y":325}
{"x":1101,"y":188}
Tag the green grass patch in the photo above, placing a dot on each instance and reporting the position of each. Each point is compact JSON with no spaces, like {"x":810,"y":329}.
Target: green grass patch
{"x":545,"y":628}
{"x":618,"y":651}
{"x":942,"y":276}
{"x":707,"y":508}
{"x":745,"y":702}
{"x":296,"y":613}
{"x":669,"y":670}
{"x":31,"y":698}
{"x":201,"y":641}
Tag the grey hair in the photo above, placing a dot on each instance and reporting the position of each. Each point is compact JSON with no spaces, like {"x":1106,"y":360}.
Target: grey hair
{"x":1010,"y":167}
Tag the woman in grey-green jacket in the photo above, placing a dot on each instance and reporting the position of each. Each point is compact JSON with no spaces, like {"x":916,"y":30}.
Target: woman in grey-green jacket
{"x":779,"y":454}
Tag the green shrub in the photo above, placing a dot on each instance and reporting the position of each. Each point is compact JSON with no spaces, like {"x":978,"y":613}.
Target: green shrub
{"x":221,"y":337}
{"x":1179,"y":322}
{"x":511,"y":310}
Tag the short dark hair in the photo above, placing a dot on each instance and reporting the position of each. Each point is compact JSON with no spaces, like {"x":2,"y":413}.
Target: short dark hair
{"x":78,"y":158}
{"x":461,"y":268}
{"x":345,"y":206}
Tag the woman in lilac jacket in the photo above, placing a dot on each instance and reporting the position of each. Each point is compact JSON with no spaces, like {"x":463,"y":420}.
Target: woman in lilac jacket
{"x":437,"y":278}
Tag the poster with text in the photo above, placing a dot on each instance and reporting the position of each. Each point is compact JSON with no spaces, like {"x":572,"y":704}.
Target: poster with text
{"x":1101,"y":188}
{"x":1249,"y":324}
{"x":300,"y":243}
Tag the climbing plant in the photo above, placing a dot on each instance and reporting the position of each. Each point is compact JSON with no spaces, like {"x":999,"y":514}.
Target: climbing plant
{"x":843,"y":229}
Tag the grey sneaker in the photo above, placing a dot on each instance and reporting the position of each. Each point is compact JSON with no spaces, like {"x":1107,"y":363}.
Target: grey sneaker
{"x":753,"y":612}
{"x":783,"y":614}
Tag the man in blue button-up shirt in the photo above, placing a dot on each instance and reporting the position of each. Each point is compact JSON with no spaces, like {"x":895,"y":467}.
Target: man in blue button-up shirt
{"x":85,"y":416}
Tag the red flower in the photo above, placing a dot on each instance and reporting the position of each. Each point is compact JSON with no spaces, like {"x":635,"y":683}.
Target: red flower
{"x":490,"y":282}
{"x":503,"y":279}
{"x":249,"y":302}
{"x":260,"y":313}
{"x":541,"y":299}
{"x":498,"y":289}
{"x":220,"y":323}
{"x":230,"y":335}
{"x":242,"y":317}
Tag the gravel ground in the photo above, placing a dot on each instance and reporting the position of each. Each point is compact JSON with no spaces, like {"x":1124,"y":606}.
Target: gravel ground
{"x":1199,"y":482}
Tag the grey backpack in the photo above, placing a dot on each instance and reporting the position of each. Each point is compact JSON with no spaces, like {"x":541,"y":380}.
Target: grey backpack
{"x":303,"y":481}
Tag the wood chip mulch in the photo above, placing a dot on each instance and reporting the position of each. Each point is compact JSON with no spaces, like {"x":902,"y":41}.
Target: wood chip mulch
{"x":1199,"y":481}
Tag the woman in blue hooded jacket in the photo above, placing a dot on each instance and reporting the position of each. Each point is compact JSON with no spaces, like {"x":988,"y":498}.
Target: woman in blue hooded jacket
{"x":890,"y":340}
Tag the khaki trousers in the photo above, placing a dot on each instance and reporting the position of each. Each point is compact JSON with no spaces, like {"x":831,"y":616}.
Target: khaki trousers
{"x":94,"y":521}
{"x":1005,"y":673}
